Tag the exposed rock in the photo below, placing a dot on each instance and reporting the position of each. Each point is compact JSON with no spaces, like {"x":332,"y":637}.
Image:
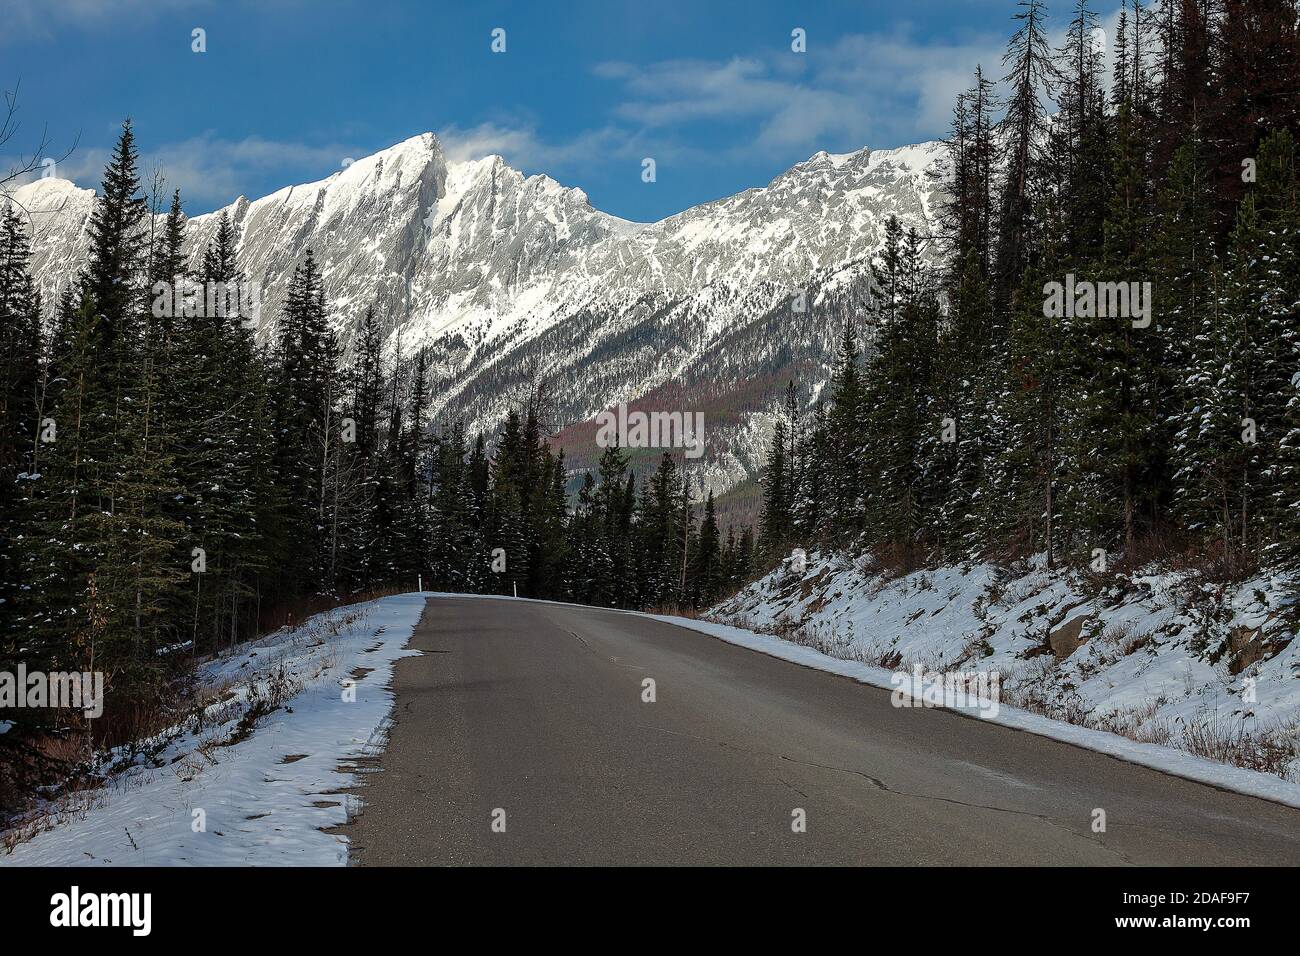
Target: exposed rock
{"x":513,"y":279}
{"x":1245,"y":647}
{"x":1067,"y":638}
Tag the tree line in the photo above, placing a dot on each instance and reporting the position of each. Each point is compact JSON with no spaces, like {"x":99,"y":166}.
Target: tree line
{"x":971,"y":417}
{"x":171,"y":485}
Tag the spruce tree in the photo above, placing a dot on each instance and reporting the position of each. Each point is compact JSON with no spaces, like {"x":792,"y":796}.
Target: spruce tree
{"x":706,"y":562}
{"x":22,"y":361}
{"x":1030,"y":74}
{"x":774,"y":534}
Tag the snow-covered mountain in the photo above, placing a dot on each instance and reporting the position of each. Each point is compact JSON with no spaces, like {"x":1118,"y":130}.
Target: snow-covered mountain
{"x":512,"y":279}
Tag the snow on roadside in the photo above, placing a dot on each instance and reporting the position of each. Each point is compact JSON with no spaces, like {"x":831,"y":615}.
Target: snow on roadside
{"x":266,"y":796}
{"x":1164,"y":759}
{"x":1162,"y":660}
{"x":269,"y":796}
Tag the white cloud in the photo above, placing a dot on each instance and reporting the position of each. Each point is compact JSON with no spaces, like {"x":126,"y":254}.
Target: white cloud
{"x":522,"y":147}
{"x":912,"y":85}
{"x":863,"y":89}
{"x":43,"y":19}
{"x":879,"y":89}
{"x":876,"y":89}
{"x":208,"y":170}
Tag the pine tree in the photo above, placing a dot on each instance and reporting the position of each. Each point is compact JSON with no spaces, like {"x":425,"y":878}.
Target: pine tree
{"x":1183,"y":77}
{"x":971,"y":372}
{"x":589,"y":582}
{"x":966,"y":215}
{"x":1030,"y":74}
{"x":1120,"y":444}
{"x":117,"y":247}
{"x":793,"y":462}
{"x":304,"y":397}
{"x":774,"y":533}
{"x":1035,"y":408}
{"x":551,"y":515}
{"x":611,"y":553}
{"x":22,"y":361}
{"x":98,"y":559}
{"x":478,"y":575}
{"x":449,"y":513}
{"x":508,"y":529}
{"x":661,"y":535}
{"x":844,"y":431}
{"x":706,"y":573}
{"x":1253,"y":58}
{"x":811,"y":513}
{"x":1232,"y":443}
{"x":897,"y":384}
{"x":1078,"y":139}
{"x":1189,"y":275}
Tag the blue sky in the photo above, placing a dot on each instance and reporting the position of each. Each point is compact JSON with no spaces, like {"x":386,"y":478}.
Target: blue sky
{"x":290,"y":89}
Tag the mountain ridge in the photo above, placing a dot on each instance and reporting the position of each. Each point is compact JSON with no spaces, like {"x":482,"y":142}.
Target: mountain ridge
{"x":512,"y":279}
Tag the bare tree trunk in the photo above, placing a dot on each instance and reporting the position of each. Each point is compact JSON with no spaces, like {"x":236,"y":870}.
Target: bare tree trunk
{"x":1128,"y":513}
{"x":1051,"y":471}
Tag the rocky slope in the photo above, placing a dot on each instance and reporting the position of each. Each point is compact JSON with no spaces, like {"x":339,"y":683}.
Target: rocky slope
{"x":1158,"y":656}
{"x":514,"y":280}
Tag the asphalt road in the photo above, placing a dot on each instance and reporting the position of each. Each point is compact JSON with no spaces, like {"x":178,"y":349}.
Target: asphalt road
{"x":531,"y":716}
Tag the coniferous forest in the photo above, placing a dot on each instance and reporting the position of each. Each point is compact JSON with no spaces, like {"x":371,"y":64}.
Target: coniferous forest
{"x":971,"y":420}
{"x":172,"y":485}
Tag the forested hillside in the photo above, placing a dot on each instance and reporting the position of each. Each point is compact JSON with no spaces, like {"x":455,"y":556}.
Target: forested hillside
{"x":989,"y":419}
{"x":170,"y":486}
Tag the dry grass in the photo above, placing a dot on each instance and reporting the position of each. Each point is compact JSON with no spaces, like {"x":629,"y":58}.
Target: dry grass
{"x":672,"y":610}
{"x":1270,"y":748}
{"x":899,"y":559}
{"x":292,"y":613}
{"x":1125,"y":638}
{"x":49,"y":815}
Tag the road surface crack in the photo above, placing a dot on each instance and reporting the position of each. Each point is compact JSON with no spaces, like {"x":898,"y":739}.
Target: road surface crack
{"x":583,"y":641}
{"x":880,"y":785}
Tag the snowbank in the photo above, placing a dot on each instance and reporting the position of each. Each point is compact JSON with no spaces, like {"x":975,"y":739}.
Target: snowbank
{"x":1168,"y":663}
{"x":234,"y":791}
{"x":241,"y":792}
